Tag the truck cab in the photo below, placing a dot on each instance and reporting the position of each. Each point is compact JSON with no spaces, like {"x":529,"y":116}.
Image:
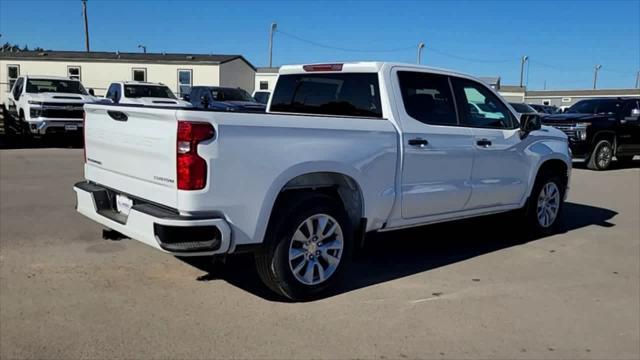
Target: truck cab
{"x":143,"y":93}
{"x":40,"y":105}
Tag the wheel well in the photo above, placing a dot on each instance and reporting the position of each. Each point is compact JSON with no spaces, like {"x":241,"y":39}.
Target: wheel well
{"x":339,"y":186}
{"x":605,"y":135}
{"x":555,"y":166}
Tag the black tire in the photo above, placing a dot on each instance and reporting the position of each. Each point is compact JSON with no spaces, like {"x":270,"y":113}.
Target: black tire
{"x":601,"y":156}
{"x":531,"y":209}
{"x":272,"y":260}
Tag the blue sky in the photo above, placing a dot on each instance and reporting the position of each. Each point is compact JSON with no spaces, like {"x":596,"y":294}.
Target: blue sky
{"x":564,"y":39}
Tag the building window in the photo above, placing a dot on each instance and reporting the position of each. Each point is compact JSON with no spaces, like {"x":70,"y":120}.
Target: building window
{"x":264,"y":85}
{"x":184,"y":81}
{"x":74,"y":73}
{"x":139,"y":74}
{"x":566,"y":99}
{"x":546,"y":102}
{"x":13,"y":72}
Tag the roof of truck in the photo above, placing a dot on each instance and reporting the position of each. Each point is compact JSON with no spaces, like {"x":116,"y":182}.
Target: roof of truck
{"x":365,"y":66}
{"x":47,"y":77}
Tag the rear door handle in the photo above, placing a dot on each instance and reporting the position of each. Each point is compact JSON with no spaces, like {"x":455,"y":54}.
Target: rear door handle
{"x":418,"y":142}
{"x":483,"y":142}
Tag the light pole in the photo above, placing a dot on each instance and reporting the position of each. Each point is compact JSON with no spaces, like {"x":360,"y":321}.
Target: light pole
{"x":595,"y":76}
{"x":523,"y":60}
{"x":420,"y":47}
{"x":638,"y":79}
{"x":86,"y":24}
{"x":144,"y":48}
{"x":272,"y":30}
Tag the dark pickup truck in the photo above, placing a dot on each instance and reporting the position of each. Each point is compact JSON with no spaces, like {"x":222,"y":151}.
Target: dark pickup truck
{"x":599,"y":129}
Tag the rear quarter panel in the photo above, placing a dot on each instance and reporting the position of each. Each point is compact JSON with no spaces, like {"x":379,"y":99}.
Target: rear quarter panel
{"x":254,"y":155}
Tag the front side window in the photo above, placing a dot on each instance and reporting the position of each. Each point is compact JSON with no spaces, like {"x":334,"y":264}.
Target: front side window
{"x":262,"y":97}
{"x":55,"y":86}
{"x":138,"y":91}
{"x":139,"y":74}
{"x":338,"y":94}
{"x":74,"y":73}
{"x":184,"y":82}
{"x":428,"y":98}
{"x":17,"y":90}
{"x":632,"y":109}
{"x":608,"y":107}
{"x":479,"y":107}
{"x":13,"y":72}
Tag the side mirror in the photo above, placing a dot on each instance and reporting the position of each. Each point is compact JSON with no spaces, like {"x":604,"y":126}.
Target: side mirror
{"x":91,"y":92}
{"x":529,"y":123}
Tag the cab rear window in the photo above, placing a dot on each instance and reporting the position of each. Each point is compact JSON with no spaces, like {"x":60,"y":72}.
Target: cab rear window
{"x":339,"y":94}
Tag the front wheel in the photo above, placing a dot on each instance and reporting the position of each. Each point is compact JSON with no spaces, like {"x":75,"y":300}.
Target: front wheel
{"x":601,"y":156}
{"x":307,"y":247}
{"x":545,"y":203}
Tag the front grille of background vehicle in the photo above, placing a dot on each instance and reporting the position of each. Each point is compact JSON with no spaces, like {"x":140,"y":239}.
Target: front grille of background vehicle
{"x":570,"y":130}
{"x":62,"y":113}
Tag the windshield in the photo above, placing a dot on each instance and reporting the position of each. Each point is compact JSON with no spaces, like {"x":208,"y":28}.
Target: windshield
{"x":583,"y":107}
{"x":138,"y":91}
{"x":231,"y":95}
{"x":522,"y":108}
{"x":55,"y":86}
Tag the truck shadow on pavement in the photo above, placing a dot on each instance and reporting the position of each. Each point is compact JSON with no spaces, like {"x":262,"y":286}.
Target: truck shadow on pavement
{"x":397,"y":254}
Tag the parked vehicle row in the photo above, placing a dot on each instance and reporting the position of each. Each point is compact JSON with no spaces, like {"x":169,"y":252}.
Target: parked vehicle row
{"x":344,"y":149}
{"x":41,"y":105}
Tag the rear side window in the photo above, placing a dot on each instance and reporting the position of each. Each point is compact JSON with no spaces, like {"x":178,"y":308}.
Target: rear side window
{"x":428,"y":98}
{"x":353,"y":94}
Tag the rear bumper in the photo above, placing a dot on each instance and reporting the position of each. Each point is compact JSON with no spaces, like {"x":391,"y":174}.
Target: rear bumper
{"x":153,"y":225}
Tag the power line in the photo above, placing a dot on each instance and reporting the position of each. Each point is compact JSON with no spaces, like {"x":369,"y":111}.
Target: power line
{"x":486,"y":61}
{"x":314,"y":43}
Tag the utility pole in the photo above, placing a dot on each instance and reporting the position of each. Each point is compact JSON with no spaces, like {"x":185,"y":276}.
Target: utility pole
{"x":638,"y":80}
{"x":144,"y":48}
{"x":271,"y":31}
{"x":420,"y":47}
{"x":595,"y":76}
{"x":545,"y":85}
{"x":523,"y":60}
{"x":86,"y":24}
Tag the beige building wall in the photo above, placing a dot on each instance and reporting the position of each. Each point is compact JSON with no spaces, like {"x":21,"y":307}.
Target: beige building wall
{"x":237,"y":73}
{"x":98,"y":75}
{"x":270,"y":78}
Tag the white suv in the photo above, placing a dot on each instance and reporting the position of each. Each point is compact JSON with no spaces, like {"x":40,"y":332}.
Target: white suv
{"x":143,"y":93}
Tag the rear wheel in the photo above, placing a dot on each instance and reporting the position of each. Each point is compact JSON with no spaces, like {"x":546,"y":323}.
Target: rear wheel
{"x":601,"y":156}
{"x":307,"y":247}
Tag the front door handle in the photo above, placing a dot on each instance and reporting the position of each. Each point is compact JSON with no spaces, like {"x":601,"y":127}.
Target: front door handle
{"x":418,"y":142}
{"x":484,"y":142}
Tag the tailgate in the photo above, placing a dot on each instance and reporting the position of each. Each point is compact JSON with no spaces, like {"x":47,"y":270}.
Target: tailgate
{"x":132,"y":150}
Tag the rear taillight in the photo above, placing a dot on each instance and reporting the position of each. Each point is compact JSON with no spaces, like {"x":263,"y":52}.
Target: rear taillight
{"x":84,"y":135}
{"x":190,"y":167}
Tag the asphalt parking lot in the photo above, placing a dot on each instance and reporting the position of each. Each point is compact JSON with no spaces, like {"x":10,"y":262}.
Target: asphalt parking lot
{"x":473,"y":289}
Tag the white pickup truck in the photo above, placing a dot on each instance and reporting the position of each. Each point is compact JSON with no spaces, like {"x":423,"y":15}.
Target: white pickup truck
{"x":40,"y":105}
{"x":343,"y":150}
